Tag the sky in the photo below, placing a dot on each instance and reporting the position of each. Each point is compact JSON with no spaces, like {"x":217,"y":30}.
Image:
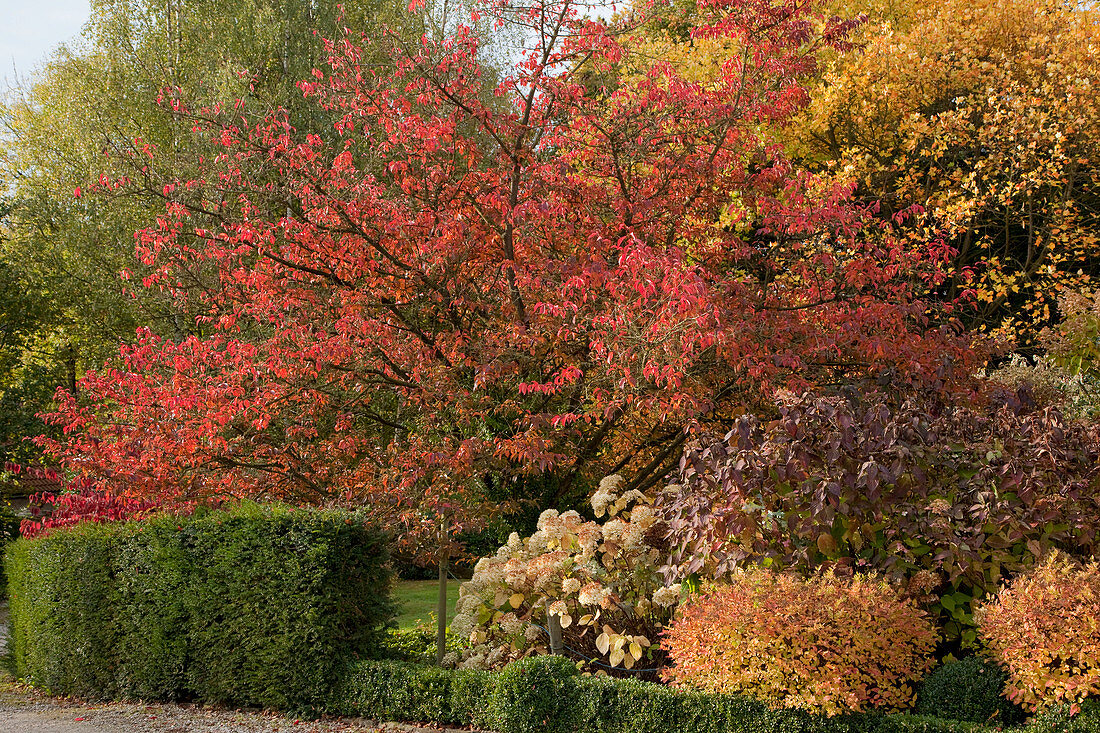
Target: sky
{"x":31,"y":29}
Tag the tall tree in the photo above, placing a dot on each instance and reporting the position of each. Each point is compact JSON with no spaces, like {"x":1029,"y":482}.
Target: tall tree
{"x":985,"y":114}
{"x":982,"y":113}
{"x":79,"y":119}
{"x":451,"y":298}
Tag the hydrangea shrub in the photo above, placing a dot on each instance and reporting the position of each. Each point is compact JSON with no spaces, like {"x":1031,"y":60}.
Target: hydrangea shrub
{"x":1044,"y":627}
{"x":825,"y":644}
{"x":602,"y":581}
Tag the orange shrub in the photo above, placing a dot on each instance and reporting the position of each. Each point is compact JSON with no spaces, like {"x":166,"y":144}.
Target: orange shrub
{"x":826,"y":645}
{"x":1045,"y":629}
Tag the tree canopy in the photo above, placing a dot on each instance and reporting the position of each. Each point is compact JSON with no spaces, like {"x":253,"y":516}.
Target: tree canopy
{"x":455,"y":299}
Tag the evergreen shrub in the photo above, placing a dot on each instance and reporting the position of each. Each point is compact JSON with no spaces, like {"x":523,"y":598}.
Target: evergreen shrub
{"x":258,"y":605}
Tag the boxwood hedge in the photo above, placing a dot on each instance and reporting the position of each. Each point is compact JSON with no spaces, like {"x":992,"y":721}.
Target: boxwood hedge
{"x":284,"y":609}
{"x":546,"y":694}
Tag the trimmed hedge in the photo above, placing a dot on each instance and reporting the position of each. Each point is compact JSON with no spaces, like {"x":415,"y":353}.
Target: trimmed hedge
{"x":968,"y":689}
{"x":402,"y":691}
{"x":546,"y":694}
{"x":261,"y":606}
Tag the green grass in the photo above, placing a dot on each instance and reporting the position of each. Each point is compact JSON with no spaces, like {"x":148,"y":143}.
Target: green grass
{"x":417,"y":599}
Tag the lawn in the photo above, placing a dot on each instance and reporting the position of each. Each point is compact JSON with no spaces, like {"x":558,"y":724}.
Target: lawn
{"x":417,"y":599}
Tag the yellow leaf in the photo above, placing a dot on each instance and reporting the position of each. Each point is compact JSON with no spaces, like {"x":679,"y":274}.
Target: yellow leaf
{"x":603,"y":643}
{"x":516,"y":600}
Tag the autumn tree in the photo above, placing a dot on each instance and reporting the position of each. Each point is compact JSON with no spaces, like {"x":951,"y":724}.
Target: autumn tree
{"x":77,"y":118}
{"x":456,"y":303}
{"x":981,"y":113}
{"x":985,"y":114}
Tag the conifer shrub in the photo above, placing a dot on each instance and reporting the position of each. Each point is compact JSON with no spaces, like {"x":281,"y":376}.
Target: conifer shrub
{"x":825,"y":644}
{"x":262,"y":606}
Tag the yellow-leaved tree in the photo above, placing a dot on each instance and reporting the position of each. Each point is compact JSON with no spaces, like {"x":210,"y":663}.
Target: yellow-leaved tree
{"x":984,"y":113}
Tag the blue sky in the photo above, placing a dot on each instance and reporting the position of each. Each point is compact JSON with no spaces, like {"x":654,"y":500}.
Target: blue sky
{"x":31,"y":29}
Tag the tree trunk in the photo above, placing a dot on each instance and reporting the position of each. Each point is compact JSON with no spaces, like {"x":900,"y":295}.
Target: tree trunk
{"x":441,"y":605}
{"x":553,"y":623}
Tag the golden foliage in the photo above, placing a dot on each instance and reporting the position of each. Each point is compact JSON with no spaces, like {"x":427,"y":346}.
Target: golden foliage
{"x":826,"y":645}
{"x":982,"y":112}
{"x":1043,"y":629}
{"x":985,"y":114}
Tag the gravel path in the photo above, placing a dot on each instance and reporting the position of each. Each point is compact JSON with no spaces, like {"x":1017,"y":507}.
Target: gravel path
{"x":26,"y":710}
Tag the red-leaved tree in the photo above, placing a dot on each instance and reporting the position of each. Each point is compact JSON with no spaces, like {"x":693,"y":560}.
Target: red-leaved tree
{"x":484,"y":286}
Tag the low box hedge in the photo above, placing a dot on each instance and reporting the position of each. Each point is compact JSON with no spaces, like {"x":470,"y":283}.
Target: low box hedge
{"x":259,"y":605}
{"x":546,"y":694}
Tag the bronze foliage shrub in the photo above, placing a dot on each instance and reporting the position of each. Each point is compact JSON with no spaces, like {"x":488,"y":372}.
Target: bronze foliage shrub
{"x":826,"y":645}
{"x":963,"y":496}
{"x":1044,"y":627}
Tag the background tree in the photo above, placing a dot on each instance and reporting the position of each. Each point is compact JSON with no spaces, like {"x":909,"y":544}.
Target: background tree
{"x":77,"y":121}
{"x":983,"y":114}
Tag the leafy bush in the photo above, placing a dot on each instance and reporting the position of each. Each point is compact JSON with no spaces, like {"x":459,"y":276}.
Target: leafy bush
{"x":536,"y":695}
{"x":966,"y":495}
{"x":1074,"y":343}
{"x":9,"y":523}
{"x":255,"y":606}
{"x":1043,"y":628}
{"x":825,"y":644}
{"x":549,"y":696}
{"x":390,"y":690}
{"x":1084,"y":718}
{"x":968,"y":689}
{"x":417,"y":644}
{"x":9,"y":531}
{"x":601,"y":580}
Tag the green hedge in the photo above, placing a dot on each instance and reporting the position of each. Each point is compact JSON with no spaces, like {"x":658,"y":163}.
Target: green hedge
{"x":546,"y":694}
{"x":968,"y":689}
{"x":402,"y":691}
{"x":260,"y":606}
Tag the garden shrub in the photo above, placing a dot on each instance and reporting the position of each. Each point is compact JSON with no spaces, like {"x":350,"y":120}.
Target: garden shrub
{"x":256,"y":606}
{"x":9,"y":532}
{"x":417,"y":644}
{"x":825,"y":644}
{"x":600,"y":579}
{"x":399,"y":691}
{"x":1082,"y":718}
{"x":546,"y":694}
{"x":62,"y":598}
{"x":969,"y":496}
{"x":1044,"y":627}
{"x":968,"y":689}
{"x":536,"y":695}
